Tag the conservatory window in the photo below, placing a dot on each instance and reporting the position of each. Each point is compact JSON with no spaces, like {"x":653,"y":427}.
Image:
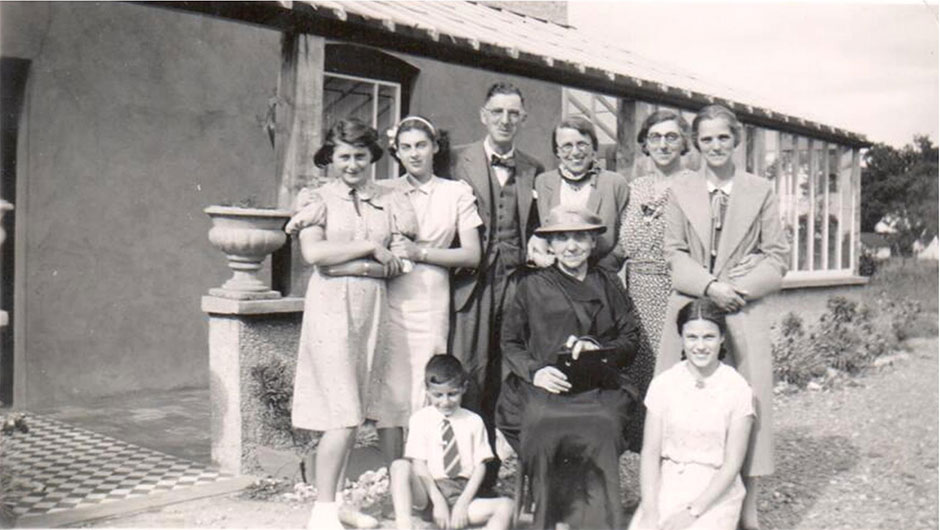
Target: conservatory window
{"x":601,"y":110}
{"x":815,"y":183}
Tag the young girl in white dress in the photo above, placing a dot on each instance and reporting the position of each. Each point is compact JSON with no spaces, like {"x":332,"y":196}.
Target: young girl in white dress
{"x":698,"y":419}
{"x":419,"y":301}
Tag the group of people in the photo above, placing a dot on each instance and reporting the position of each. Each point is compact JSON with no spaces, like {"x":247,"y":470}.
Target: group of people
{"x":482,"y":308}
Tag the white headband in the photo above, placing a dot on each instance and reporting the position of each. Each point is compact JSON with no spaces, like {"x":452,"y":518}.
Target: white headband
{"x":417,"y":119}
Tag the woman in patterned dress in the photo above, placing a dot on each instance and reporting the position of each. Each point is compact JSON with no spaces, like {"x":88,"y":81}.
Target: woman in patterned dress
{"x":345,"y":229}
{"x":419,"y":301}
{"x":664,"y":137}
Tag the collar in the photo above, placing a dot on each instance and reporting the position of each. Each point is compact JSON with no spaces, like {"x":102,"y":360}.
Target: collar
{"x":411,"y":185}
{"x":440,"y":417}
{"x":367,"y":192}
{"x":726,"y":187}
{"x":589,"y":177}
{"x":490,"y":151}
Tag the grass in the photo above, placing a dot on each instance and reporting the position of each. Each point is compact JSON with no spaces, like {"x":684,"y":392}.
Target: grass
{"x":909,"y":280}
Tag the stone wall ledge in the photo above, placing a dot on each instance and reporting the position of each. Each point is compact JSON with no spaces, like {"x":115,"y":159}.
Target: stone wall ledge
{"x":215,"y":305}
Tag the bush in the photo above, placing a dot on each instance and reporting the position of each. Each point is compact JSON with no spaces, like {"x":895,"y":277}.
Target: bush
{"x":867,"y":264}
{"x":795,"y":361}
{"x":848,"y":337}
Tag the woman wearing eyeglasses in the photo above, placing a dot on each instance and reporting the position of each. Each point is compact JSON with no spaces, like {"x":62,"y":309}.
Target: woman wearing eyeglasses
{"x":580,"y":182}
{"x":664,"y":138}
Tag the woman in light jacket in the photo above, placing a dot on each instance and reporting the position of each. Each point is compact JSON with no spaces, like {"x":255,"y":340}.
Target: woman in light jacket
{"x":724,"y":240}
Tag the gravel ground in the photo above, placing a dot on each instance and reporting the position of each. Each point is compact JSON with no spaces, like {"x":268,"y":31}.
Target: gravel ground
{"x":863,"y":456}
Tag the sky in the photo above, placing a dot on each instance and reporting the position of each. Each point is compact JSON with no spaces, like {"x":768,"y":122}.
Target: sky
{"x":869,"y":68}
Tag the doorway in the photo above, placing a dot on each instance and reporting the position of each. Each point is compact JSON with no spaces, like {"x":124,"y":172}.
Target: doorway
{"x":13,"y":76}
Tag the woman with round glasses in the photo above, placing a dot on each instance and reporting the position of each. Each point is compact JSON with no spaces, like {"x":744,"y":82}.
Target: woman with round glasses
{"x":580,"y":182}
{"x":664,"y":138}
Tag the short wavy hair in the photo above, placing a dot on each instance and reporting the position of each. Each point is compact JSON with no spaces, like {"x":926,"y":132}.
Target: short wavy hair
{"x":444,"y":369}
{"x":704,"y":309}
{"x":503,"y":87}
{"x":718,"y":112}
{"x":660,"y":116}
{"x":578,"y":123}
{"x":352,"y":131}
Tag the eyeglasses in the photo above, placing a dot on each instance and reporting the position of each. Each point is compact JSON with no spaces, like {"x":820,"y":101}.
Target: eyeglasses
{"x":566,"y":149}
{"x":670,"y":138}
{"x":514,"y":115}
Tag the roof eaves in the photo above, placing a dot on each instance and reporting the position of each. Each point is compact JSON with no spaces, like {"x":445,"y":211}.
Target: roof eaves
{"x":578,"y":73}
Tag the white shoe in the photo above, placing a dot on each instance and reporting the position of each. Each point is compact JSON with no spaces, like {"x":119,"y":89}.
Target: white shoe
{"x":324,"y":516}
{"x":350,"y":516}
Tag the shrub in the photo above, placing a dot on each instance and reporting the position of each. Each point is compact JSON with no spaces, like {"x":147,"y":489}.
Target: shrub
{"x":867,"y":264}
{"x":795,"y":362}
{"x":848,"y":337}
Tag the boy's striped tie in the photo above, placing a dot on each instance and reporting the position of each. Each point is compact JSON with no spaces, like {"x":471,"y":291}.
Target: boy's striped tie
{"x":451,"y":455}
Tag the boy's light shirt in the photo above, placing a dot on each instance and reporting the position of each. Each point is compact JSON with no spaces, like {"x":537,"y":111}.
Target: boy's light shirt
{"x":424,"y":440}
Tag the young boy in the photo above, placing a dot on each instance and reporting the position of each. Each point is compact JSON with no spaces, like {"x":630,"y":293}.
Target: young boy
{"x":444,"y":458}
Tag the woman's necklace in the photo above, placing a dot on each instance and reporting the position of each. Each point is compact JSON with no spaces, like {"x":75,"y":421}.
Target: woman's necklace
{"x":699,"y":378}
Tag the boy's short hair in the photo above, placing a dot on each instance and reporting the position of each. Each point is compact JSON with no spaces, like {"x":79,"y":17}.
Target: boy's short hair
{"x":444,"y":369}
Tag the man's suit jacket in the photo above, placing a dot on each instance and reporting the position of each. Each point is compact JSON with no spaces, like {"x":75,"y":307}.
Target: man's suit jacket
{"x":469,"y":163}
{"x":608,"y":200}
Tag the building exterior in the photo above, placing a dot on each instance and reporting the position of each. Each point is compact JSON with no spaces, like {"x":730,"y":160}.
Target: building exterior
{"x":123,"y":121}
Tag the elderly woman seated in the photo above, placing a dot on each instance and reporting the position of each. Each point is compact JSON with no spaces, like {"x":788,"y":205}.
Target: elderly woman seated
{"x":568,"y":332}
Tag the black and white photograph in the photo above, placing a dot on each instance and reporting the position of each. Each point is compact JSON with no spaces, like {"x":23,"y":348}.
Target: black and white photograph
{"x":447,"y":264}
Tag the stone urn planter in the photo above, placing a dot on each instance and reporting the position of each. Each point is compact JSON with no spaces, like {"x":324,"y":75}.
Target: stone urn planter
{"x":246,"y":236}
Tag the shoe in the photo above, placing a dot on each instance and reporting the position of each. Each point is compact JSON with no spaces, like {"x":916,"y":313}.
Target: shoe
{"x":350,"y":516}
{"x":324,"y":516}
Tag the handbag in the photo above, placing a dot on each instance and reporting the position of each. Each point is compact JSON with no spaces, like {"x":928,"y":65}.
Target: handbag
{"x":592,"y":369}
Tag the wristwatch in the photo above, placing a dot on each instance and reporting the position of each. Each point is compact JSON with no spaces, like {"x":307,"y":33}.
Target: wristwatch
{"x":693,"y":512}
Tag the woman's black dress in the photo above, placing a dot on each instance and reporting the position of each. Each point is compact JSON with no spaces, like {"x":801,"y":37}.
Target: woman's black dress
{"x":569,"y":444}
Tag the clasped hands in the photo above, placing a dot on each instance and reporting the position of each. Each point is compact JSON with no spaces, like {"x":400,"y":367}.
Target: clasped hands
{"x":726,"y":295}
{"x":554,"y":380}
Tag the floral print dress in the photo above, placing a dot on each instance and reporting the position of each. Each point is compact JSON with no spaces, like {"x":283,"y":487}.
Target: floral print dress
{"x":648,"y":281}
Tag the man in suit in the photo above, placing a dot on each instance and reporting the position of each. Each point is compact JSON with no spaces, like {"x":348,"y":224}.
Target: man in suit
{"x":502,"y":179}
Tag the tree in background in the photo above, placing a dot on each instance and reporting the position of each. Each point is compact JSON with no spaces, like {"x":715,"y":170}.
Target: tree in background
{"x":899,"y":187}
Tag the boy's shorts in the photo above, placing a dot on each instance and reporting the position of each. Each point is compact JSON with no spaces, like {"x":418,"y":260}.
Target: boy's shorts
{"x":450,"y":488}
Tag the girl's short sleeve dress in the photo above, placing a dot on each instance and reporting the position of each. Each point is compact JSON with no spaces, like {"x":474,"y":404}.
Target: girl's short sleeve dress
{"x":342,"y":353}
{"x":695,"y":423}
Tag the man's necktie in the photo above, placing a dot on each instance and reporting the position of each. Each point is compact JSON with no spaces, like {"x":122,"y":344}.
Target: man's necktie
{"x":451,"y":455}
{"x":719,"y":206}
{"x":507,"y":162}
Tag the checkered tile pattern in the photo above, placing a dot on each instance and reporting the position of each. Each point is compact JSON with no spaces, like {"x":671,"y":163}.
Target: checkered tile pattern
{"x":60,"y":467}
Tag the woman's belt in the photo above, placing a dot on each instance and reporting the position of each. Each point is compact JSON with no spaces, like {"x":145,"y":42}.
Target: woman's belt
{"x":647,"y":267}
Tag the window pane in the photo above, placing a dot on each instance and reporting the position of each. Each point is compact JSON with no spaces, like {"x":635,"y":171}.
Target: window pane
{"x":832,"y":181}
{"x":374,"y":103}
{"x":804,"y":206}
{"x":845,"y":203}
{"x":386,"y":116}
{"x":786,"y":187}
{"x":346,"y":98}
